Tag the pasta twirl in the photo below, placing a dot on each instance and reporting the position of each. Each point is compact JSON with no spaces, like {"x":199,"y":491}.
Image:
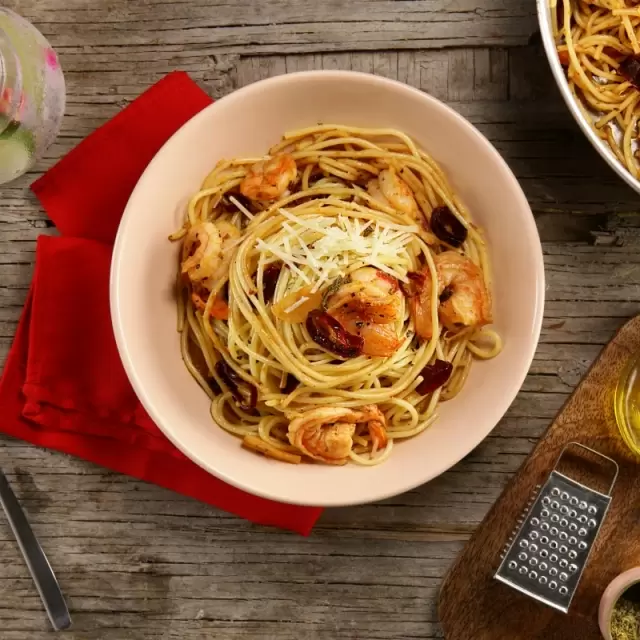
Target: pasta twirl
{"x":331,"y":294}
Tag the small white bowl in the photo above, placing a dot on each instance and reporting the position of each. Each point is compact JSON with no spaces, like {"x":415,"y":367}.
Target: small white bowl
{"x":248,"y":122}
{"x":610,"y":598}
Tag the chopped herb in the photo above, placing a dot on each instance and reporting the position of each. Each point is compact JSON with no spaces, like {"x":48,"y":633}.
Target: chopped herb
{"x":625,"y":618}
{"x":333,"y":288}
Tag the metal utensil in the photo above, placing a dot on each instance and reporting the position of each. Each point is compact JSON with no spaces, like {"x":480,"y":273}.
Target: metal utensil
{"x":581,"y":115}
{"x":546,"y":556}
{"x":35,"y":558}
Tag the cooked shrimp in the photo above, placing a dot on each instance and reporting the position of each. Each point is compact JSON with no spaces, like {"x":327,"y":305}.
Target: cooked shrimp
{"x":326,"y":433}
{"x":206,"y":252}
{"x":463,"y":297}
{"x":269,"y":178}
{"x":391,"y":190}
{"x":367,"y":306}
{"x":219,"y":307}
{"x":378,"y":430}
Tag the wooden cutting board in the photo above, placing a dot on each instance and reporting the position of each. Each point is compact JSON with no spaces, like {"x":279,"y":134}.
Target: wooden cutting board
{"x":474,"y":606}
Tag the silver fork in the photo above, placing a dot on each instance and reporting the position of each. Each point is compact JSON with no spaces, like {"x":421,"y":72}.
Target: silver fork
{"x":39,"y":567}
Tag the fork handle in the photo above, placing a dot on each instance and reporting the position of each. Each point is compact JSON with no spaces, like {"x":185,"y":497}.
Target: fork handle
{"x":39,"y":567}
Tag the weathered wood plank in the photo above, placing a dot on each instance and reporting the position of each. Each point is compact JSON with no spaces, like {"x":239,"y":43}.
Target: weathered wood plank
{"x":138,"y":562}
{"x":507,"y":93}
{"x":278,"y":26}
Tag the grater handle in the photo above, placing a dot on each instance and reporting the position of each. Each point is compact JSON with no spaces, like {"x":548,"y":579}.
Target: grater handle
{"x":596,"y":453}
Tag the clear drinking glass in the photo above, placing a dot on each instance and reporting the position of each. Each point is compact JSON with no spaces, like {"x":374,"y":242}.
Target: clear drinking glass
{"x":32,"y":95}
{"x":627,"y":404}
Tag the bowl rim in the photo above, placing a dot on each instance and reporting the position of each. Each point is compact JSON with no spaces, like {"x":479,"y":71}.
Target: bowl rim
{"x":117,"y":275}
{"x":548,"y":42}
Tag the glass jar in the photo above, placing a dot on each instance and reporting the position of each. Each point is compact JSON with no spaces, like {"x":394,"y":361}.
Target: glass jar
{"x":32,"y":95}
{"x":627,"y":404}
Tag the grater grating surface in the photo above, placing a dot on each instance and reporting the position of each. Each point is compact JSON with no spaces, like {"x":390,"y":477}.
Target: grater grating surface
{"x":548,"y":553}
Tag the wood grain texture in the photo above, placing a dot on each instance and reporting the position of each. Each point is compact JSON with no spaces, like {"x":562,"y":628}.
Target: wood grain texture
{"x":472,"y":604}
{"x":140,"y":563}
{"x":279,"y":26}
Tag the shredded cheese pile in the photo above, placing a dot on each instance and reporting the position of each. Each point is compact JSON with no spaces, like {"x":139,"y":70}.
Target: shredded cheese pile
{"x":318,"y":248}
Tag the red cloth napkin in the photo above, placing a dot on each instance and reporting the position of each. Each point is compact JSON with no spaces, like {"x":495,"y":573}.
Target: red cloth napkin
{"x":63,"y":385}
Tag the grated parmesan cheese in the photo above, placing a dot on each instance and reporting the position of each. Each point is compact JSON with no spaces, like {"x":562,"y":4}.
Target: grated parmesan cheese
{"x":297,"y":304}
{"x":317,"y":248}
{"x":241,"y":207}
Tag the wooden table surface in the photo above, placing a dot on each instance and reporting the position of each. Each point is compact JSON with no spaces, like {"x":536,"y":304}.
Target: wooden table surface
{"x":138,"y":562}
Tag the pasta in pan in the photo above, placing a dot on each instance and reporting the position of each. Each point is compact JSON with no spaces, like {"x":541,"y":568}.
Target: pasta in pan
{"x":331,"y":294}
{"x":598,"y":44}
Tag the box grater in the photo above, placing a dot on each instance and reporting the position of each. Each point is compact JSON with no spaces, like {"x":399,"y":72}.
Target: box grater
{"x":546,"y":555}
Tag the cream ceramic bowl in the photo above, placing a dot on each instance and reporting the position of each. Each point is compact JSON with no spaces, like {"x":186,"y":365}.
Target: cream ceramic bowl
{"x":248,"y":122}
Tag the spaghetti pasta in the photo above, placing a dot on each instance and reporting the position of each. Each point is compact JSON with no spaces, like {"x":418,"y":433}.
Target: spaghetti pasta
{"x":331,"y":294}
{"x":597,"y":43}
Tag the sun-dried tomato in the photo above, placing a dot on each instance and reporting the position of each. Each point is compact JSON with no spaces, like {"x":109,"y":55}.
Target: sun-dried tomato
{"x":447,"y":227}
{"x":630,"y":69}
{"x":326,"y":331}
{"x":415,"y":284}
{"x":244,"y":393}
{"x":434,"y":376}
{"x":270,"y":280}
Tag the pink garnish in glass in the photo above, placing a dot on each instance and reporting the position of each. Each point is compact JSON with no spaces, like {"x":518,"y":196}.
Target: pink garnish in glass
{"x":51,"y":58}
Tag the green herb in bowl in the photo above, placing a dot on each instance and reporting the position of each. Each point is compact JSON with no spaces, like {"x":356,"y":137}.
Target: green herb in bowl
{"x":625,"y":617}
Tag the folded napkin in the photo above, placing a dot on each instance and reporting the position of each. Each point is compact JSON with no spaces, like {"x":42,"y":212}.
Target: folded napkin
{"x":63,"y":385}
